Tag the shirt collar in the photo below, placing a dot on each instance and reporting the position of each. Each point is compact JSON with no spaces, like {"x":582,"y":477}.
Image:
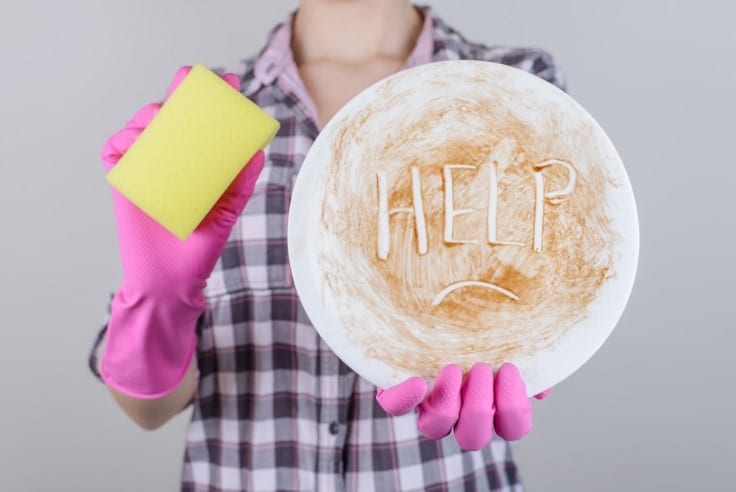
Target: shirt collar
{"x":276,"y":59}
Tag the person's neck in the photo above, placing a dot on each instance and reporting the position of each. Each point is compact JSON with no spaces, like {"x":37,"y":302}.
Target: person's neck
{"x":353,"y":31}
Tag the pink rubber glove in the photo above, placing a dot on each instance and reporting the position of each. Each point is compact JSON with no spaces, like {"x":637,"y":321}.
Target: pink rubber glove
{"x":473,"y":407}
{"x":151,"y":334}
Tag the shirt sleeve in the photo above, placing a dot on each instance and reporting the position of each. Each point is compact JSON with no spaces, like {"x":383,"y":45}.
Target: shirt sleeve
{"x":96,"y":351}
{"x":533,"y":60}
{"x":536,"y":61}
{"x":545,"y":67}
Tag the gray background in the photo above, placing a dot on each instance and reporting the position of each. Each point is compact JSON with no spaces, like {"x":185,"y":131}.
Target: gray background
{"x":651,"y":411}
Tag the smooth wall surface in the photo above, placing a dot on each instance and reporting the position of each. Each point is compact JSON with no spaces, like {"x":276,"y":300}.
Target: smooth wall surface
{"x":653,"y":410}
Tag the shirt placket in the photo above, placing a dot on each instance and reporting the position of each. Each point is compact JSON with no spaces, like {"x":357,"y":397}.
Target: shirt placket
{"x":331,"y":424}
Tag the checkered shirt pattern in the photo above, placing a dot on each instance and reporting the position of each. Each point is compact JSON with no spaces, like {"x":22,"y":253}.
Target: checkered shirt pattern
{"x":275,"y":408}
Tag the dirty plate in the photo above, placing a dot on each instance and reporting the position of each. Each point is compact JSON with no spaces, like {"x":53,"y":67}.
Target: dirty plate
{"x":460,"y":212}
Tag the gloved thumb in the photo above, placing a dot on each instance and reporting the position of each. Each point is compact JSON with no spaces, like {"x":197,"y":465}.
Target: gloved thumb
{"x":228,"y":208}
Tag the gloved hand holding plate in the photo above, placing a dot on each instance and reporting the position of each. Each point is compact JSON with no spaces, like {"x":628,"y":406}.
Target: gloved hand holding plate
{"x":463,"y":212}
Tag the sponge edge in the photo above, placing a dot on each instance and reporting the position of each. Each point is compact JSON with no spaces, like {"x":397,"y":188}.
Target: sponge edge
{"x":188,"y":155}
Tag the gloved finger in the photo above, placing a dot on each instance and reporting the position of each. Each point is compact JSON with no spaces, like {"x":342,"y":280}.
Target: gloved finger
{"x":404,"y":397}
{"x":474,"y":428}
{"x":544,"y":394}
{"x":117,"y":145}
{"x":233,"y":80}
{"x":120,"y":142}
{"x":230,"y":205}
{"x":438,"y":413}
{"x":144,"y":116}
{"x":513,"y":409}
{"x":246,"y":182}
{"x":178,"y":77}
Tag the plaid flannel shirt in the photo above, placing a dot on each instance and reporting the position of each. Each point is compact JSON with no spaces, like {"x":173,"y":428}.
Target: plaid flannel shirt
{"x":275,"y":408}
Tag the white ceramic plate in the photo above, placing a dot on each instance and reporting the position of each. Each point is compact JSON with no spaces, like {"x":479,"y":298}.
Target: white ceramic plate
{"x":460,"y":212}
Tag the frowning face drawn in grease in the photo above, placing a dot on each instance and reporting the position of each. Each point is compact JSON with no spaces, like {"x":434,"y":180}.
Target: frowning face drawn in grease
{"x":469,"y":224}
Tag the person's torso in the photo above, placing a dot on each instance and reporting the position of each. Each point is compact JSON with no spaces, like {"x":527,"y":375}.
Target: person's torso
{"x":276,"y":409}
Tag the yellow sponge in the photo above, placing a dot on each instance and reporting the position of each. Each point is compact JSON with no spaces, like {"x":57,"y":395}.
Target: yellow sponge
{"x":185,"y":159}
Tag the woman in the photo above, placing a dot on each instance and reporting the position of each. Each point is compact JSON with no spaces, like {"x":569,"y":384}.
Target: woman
{"x":274,"y":408}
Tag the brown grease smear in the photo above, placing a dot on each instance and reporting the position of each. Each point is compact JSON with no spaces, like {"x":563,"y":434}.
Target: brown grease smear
{"x":555,"y":286}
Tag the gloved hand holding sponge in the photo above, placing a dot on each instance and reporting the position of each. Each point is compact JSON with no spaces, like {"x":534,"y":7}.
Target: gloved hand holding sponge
{"x":183,"y":163}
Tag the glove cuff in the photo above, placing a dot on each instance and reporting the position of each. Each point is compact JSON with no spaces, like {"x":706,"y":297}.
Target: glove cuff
{"x":149,"y":344}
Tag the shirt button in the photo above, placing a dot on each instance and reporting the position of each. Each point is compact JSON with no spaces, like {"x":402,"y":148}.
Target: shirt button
{"x":334,"y":428}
